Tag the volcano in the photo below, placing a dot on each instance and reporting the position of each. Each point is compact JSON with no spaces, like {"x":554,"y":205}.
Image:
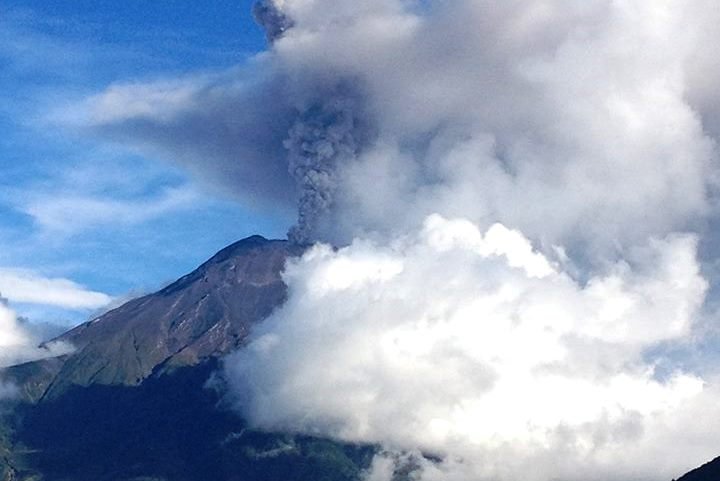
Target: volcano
{"x":202,"y":315}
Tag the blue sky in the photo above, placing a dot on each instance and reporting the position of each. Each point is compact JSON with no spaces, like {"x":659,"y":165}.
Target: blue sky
{"x":91,"y":215}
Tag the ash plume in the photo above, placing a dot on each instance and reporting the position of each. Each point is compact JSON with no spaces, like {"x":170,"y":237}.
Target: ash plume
{"x":323,"y":136}
{"x":322,"y":139}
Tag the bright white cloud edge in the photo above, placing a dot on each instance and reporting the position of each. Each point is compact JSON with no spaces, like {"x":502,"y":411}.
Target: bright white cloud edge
{"x":26,"y":286}
{"x":474,"y":346}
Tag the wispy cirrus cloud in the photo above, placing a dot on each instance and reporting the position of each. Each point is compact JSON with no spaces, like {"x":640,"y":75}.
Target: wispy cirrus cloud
{"x":68,"y":214}
{"x":26,"y":286}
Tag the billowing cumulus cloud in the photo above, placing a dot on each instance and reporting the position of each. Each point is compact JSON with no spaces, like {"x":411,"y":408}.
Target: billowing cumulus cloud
{"x":522,"y":187}
{"x":473,"y":346}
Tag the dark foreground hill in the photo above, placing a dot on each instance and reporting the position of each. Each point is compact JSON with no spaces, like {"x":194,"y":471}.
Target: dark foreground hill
{"x":706,"y":472}
{"x":140,"y":399}
{"x":169,"y":428}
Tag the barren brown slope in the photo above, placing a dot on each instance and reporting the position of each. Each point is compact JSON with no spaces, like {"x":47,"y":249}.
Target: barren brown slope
{"x":206,"y":313}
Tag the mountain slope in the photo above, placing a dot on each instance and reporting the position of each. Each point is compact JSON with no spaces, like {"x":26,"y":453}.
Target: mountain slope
{"x":706,"y":472}
{"x":206,"y":313}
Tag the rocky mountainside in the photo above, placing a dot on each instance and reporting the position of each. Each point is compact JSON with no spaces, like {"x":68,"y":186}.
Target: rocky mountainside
{"x":204,"y":314}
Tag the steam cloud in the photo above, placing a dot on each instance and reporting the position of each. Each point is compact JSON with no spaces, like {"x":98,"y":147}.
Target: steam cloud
{"x":18,"y":344}
{"x":475,"y":348}
{"x":522,"y":188}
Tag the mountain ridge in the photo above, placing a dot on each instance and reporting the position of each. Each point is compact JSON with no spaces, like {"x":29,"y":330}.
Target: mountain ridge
{"x":206,"y":313}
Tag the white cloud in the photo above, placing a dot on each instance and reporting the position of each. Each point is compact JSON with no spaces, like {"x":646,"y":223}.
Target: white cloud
{"x":24,"y":286}
{"x":17,"y":344}
{"x":122,"y":102}
{"x":65,"y":213}
{"x":7,"y":390}
{"x":456,"y":342}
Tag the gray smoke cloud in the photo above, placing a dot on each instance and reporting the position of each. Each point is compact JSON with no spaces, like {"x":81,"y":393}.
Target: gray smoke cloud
{"x":539,"y":104}
{"x":226,"y":129}
{"x":519,"y":192}
{"x":271,"y":18}
{"x":323,"y":139}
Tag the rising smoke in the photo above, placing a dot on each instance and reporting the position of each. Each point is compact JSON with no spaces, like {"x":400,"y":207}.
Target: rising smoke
{"x":323,"y":137}
{"x":521,"y":189}
{"x":321,"y":141}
